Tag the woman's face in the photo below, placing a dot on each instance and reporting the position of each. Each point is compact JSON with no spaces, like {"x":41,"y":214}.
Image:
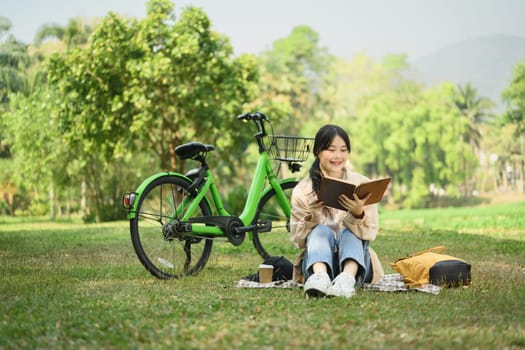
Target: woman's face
{"x":332,"y":160}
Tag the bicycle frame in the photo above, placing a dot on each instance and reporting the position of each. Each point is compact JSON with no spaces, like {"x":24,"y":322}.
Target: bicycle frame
{"x":263,"y":175}
{"x":175,"y":218}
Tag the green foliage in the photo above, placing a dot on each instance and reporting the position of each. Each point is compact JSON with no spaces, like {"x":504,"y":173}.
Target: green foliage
{"x":297,"y":80}
{"x":7,"y":186}
{"x":361,"y":78}
{"x":75,"y":33}
{"x":514,"y":96}
{"x":14,"y":60}
{"x":121,"y":93}
{"x":153,"y":84}
{"x":416,"y":137}
{"x":235,"y":199}
{"x":36,"y":137}
{"x":427,"y":140}
{"x":149,"y":85}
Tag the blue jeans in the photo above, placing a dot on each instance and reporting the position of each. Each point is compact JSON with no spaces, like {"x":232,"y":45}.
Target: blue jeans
{"x":322,"y":246}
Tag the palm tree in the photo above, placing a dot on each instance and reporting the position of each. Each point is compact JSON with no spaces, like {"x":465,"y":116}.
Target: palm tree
{"x":75,"y":33}
{"x":514,"y":97}
{"x":477,"y":111}
{"x":14,"y":61}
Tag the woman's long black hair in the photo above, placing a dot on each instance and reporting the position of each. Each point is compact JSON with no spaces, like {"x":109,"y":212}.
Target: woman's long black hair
{"x":323,"y":140}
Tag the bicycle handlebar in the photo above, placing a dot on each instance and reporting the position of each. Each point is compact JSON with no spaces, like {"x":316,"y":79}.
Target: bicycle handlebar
{"x":257,"y":116}
{"x":259,"y":119}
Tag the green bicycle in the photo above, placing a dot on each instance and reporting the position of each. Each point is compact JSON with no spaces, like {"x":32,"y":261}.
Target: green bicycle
{"x":174,"y":217}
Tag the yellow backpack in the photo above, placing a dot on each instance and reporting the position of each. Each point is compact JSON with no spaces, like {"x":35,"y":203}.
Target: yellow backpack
{"x":431,"y":266}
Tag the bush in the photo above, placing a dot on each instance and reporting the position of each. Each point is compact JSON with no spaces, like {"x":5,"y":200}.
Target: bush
{"x":236,"y":199}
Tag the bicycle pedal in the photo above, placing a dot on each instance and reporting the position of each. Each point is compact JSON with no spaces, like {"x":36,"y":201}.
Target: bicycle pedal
{"x":264,"y":226}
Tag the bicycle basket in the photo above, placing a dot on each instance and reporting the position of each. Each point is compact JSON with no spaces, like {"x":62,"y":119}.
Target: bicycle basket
{"x":290,"y":148}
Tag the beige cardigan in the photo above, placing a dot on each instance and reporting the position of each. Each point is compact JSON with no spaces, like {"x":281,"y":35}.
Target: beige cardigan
{"x":304,"y":219}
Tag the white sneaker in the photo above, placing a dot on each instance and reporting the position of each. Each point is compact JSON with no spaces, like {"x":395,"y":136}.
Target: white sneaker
{"x":317,"y":285}
{"x":343,"y":286}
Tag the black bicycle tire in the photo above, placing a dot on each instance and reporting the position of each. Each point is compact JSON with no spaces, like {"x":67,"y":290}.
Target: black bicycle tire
{"x":265,"y":252}
{"x":175,"y":183}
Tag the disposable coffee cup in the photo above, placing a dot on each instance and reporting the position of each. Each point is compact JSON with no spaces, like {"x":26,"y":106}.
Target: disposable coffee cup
{"x":265,"y":273}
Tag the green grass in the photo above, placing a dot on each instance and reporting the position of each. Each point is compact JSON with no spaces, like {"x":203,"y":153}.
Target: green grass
{"x":69,"y":286}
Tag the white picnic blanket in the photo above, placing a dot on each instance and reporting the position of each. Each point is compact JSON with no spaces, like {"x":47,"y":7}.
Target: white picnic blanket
{"x":388,"y":283}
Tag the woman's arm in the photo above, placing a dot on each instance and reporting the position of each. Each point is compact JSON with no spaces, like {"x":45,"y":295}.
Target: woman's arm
{"x":305,"y":216}
{"x":366,"y":227}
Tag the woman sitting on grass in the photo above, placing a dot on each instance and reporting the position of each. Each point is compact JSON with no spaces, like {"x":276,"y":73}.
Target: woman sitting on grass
{"x":336,"y":253}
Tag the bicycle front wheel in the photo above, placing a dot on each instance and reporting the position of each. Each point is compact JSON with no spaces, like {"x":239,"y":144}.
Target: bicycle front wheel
{"x":275,"y":242}
{"x":167,"y":256}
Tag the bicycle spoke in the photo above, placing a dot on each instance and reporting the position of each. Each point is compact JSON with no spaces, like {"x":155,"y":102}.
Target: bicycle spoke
{"x":275,"y":242}
{"x":164,"y":255}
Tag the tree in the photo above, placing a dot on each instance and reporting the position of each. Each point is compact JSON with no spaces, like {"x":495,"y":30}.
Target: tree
{"x":416,"y":137}
{"x":363,"y":77}
{"x":14,"y":64}
{"x":24,"y":75}
{"x":149,"y":85}
{"x":476,"y":110}
{"x":39,"y":151}
{"x":514,"y":97}
{"x":186,"y":83}
{"x":14,"y":60}
{"x":297,"y":79}
{"x":76,"y":33}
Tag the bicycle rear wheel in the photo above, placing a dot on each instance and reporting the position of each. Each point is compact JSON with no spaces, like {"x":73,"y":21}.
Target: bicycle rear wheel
{"x":167,"y":256}
{"x":275,"y":242}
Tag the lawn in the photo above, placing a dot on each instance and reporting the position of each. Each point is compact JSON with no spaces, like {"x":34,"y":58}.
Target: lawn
{"x":66,"y":285}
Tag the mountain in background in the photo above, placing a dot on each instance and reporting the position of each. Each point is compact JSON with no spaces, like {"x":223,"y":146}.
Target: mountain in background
{"x":486,"y":62}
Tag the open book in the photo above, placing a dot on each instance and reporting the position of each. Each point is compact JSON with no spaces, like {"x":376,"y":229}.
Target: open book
{"x":331,"y":188}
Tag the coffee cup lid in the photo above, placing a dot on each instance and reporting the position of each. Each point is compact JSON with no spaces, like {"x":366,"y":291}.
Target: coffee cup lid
{"x":264,"y":266}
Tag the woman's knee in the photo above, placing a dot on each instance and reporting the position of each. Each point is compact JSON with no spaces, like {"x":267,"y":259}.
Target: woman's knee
{"x":346,"y":238}
{"x":322,"y":231}
{"x":321,"y":235}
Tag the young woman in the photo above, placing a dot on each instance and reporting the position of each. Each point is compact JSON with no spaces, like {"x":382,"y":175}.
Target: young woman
{"x":336,"y":242}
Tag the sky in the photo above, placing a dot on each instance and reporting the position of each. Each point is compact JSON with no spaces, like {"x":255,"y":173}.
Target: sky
{"x":346,"y":27}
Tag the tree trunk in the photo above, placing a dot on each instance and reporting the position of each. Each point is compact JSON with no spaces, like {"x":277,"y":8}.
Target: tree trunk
{"x":521,"y":176}
{"x":58,"y":205}
{"x":68,"y":207}
{"x":495,"y":178}
{"x":83,"y":196}
{"x":483,"y":182}
{"x":51,"y":201}
{"x":505,"y":181}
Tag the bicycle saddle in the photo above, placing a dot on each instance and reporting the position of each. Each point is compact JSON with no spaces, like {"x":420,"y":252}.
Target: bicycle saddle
{"x":192,"y":149}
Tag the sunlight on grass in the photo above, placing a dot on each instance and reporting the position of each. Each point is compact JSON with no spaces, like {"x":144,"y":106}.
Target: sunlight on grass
{"x":71,"y":285}
{"x":43,"y":224}
{"x":499,"y":221}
